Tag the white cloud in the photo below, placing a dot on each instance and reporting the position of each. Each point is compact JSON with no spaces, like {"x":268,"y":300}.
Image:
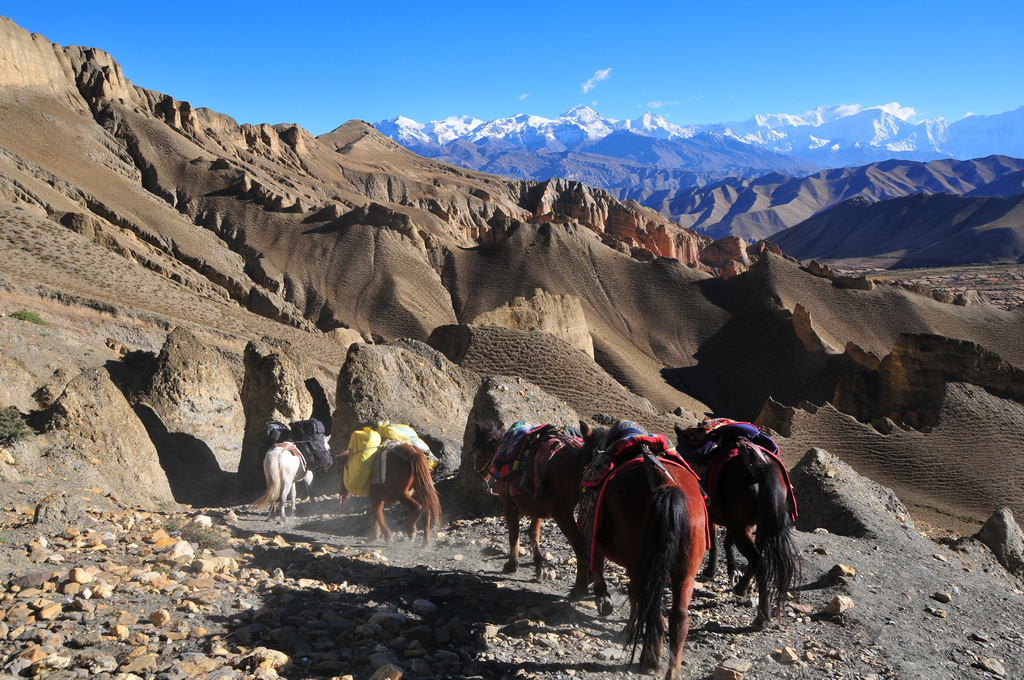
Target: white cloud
{"x":523,"y":96}
{"x":658,"y":105}
{"x":602,"y":74}
{"x":901,"y":112}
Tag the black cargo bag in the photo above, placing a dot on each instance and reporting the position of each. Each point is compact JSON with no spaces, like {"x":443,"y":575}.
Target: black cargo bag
{"x":275,"y":433}
{"x":308,"y":435}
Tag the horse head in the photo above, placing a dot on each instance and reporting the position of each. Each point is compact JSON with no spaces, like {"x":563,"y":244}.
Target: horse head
{"x":593,"y":441}
{"x":486,"y":439}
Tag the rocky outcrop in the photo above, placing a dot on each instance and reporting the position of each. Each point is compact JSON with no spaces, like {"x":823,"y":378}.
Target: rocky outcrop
{"x":830,"y":495}
{"x":909,"y":384}
{"x":559,"y":370}
{"x":560,"y":315}
{"x":1004,"y":537}
{"x":111,"y":448}
{"x":626,"y":224}
{"x":193,"y":393}
{"x":503,"y":401}
{"x":409,"y":383}
{"x":272,"y":389}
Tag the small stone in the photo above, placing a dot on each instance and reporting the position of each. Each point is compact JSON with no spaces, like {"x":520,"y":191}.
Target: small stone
{"x":387,"y":672}
{"x":422,"y":606}
{"x":839,"y":572}
{"x":786,"y":655}
{"x":838,"y":605}
{"x":944,"y":598}
{"x":160,"y":617}
{"x":994,"y":666}
{"x":940,"y":558}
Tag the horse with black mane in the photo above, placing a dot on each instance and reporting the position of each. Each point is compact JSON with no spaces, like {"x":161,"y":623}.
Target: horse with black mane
{"x":404,"y":477}
{"x":537,"y":474}
{"x":750,"y":495}
{"x":643,"y":509}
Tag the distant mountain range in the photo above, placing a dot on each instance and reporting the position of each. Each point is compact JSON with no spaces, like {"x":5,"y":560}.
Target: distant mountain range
{"x":833,"y":136}
{"x":760,"y":177}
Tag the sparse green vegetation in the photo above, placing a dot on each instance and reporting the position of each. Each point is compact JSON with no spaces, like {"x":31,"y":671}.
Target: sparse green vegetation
{"x":12,"y":427}
{"x":206,"y":538}
{"x":31,"y":317}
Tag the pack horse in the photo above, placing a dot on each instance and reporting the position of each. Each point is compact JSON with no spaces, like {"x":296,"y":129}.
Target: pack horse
{"x":295,"y":453}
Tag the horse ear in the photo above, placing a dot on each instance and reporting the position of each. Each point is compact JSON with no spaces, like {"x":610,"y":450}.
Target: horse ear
{"x":585,"y":429}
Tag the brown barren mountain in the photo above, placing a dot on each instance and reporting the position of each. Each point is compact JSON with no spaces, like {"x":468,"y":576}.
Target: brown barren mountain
{"x":128,"y":213}
{"x":164,"y":270}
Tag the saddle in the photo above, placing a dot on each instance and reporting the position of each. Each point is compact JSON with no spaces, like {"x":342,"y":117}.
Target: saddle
{"x":751,"y":455}
{"x":626,"y":446}
{"x":524,"y":453}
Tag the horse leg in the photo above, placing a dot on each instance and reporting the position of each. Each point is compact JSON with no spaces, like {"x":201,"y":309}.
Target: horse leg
{"x":744,"y":542}
{"x":541,"y":569}
{"x":571,"y":529}
{"x":512,"y":522}
{"x":679,"y":623}
{"x":379,"y":525}
{"x":415,"y":511}
{"x":604,"y":601}
{"x":709,"y":569}
{"x":730,"y":558}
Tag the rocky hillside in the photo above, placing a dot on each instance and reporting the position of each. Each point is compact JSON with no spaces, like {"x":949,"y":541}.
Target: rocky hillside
{"x":128,"y":214}
{"x":170,"y":281}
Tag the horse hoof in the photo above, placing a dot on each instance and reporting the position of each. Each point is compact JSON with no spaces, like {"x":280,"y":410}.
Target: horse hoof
{"x":510,"y":567}
{"x":577,"y":593}
{"x":604,"y":606}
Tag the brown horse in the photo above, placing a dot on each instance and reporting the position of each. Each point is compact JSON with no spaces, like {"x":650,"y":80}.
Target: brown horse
{"x":651,"y":520}
{"x":557,"y":498}
{"x":407,"y":473}
{"x":751,"y":493}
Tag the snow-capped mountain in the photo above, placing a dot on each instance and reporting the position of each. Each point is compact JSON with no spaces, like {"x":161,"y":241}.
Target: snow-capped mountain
{"x":828,"y":136}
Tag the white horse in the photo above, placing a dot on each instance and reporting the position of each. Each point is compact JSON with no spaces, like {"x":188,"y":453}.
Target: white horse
{"x":283,"y":467}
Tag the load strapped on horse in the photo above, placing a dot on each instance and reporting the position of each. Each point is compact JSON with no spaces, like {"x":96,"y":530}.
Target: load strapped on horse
{"x":307,"y":436}
{"x":537,"y":474}
{"x":293,"y":454}
{"x":386,"y":464}
{"x":368,"y":450}
{"x":749,"y":493}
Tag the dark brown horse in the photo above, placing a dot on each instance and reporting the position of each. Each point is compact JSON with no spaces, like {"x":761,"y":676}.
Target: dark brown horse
{"x":557,"y":498}
{"x":407,"y":481}
{"x":750,"y":498}
{"x":651,"y":520}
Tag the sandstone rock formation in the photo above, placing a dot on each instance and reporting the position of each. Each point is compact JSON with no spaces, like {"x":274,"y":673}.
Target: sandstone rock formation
{"x":193,"y":391}
{"x":1004,"y":537}
{"x":411,"y":384}
{"x":560,"y":315}
{"x":272,"y":390}
{"x":830,"y":495}
{"x":104,"y":443}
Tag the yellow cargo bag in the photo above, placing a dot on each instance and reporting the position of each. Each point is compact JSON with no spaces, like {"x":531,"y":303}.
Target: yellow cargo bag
{"x":404,"y":433}
{"x":362,"y":445}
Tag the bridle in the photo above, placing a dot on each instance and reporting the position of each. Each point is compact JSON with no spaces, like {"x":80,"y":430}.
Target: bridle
{"x":484,"y":471}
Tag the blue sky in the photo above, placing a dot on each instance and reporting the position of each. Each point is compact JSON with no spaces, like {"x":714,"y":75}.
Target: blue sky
{"x":321,"y":64}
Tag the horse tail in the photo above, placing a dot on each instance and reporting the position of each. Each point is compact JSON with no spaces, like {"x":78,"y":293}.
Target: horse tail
{"x":423,"y":484}
{"x":665,"y":535}
{"x":779,"y":566}
{"x":274,"y":484}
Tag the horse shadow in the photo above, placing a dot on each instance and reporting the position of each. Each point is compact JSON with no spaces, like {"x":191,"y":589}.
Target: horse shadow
{"x":353,"y":605}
